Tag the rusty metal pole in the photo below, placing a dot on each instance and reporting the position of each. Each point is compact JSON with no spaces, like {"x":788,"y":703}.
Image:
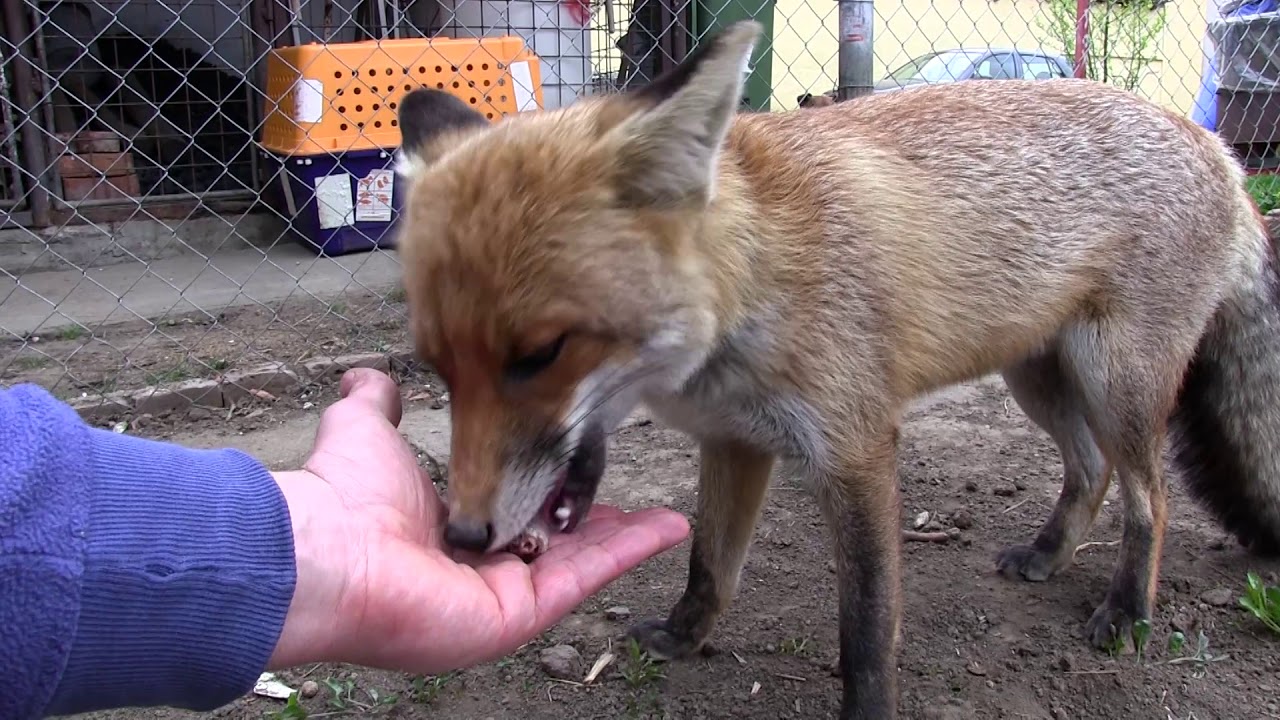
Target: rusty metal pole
{"x":1082,"y":38}
{"x":857,"y":57}
{"x":18,"y":29}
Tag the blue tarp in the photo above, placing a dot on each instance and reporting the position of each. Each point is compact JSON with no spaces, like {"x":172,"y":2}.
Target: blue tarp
{"x":1205,"y":112}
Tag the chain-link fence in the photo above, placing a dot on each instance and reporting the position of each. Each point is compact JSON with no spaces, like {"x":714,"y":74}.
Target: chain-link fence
{"x":197,"y":195}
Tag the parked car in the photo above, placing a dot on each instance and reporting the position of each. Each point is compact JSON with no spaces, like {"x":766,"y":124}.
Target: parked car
{"x":945,"y":66}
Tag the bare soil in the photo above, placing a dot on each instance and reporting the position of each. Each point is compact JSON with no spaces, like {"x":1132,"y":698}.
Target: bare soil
{"x":974,"y":645}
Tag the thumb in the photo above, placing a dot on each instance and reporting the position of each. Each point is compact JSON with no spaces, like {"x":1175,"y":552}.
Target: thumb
{"x":367,"y":390}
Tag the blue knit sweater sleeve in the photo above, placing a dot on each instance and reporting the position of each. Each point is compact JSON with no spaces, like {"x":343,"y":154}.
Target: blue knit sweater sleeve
{"x":132,"y":572}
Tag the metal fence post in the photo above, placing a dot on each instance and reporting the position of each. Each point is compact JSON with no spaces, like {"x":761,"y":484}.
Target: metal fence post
{"x":857,"y":58}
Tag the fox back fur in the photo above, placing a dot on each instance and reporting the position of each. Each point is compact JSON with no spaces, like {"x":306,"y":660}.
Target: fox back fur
{"x":781,"y":285}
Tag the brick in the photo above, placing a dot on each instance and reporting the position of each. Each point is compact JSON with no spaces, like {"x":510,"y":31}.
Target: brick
{"x":100,"y":188}
{"x":177,"y":396}
{"x":87,"y":141}
{"x":95,"y":164}
{"x":275,"y":378}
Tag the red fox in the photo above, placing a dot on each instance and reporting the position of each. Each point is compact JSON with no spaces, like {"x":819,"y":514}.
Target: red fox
{"x":781,"y":286}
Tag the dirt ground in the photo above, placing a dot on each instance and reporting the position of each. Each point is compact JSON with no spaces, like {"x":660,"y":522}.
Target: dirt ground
{"x":975,"y":645}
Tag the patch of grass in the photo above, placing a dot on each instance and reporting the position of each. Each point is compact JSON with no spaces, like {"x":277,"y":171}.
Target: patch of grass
{"x":640,"y":669}
{"x":70,"y":332}
{"x":346,"y":697}
{"x":337,"y":307}
{"x":169,"y":375}
{"x":31,"y":362}
{"x":397,"y":295}
{"x":218,"y":364}
{"x":1265,"y":190}
{"x":795,"y":646}
{"x":1263,"y":601}
{"x":426,"y":688}
{"x":1200,"y":659}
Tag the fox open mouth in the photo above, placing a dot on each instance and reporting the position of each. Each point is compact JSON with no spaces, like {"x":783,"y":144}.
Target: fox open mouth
{"x":568,"y":502}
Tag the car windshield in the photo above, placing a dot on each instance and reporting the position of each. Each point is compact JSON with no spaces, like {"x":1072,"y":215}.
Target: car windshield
{"x":935,"y":67}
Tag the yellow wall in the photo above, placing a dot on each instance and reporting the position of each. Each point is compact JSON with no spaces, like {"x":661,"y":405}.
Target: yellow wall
{"x":805,"y":41}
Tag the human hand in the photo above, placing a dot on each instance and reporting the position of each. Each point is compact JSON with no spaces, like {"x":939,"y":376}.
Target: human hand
{"x":378,"y":587}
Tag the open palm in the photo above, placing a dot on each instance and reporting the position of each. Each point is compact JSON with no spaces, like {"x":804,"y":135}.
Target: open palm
{"x":377,"y":586}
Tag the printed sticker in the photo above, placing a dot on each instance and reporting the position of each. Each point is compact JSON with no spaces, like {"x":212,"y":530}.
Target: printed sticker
{"x":333,"y":201}
{"x":373,"y":197}
{"x":522,"y":79}
{"x":308,"y":101}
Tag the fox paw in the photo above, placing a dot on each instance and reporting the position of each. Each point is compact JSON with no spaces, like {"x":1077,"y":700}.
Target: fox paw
{"x":1111,"y":627}
{"x":1025,"y":562}
{"x":659,"y":641}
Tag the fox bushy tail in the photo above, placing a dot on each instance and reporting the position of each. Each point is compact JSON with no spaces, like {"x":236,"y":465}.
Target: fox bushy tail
{"x":1226,"y":426}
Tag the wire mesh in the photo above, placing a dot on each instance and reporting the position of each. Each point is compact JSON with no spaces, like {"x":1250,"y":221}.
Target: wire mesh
{"x":149,"y":238}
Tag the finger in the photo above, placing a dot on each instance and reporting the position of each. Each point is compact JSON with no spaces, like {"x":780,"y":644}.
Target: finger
{"x":373,"y":389}
{"x":562,"y":584}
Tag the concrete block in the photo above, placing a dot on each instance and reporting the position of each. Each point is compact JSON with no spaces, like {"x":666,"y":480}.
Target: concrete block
{"x":100,"y":407}
{"x":177,"y":396}
{"x":275,"y":378}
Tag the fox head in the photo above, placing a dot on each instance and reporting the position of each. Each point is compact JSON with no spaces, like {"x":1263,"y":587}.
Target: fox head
{"x":552,"y":279}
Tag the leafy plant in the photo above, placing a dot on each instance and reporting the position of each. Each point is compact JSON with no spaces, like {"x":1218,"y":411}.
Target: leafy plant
{"x":1263,"y":601}
{"x":291,"y":710}
{"x":1141,"y":633}
{"x":640,"y":668}
{"x":1121,"y":39}
{"x":1265,"y":190}
{"x":426,"y":688}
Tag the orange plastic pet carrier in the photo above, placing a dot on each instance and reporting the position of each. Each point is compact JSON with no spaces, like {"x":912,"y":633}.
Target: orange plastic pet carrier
{"x":343,"y":96}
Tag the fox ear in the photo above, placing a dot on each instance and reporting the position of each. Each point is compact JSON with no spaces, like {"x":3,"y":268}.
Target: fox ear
{"x":425,"y":114}
{"x":667,"y":151}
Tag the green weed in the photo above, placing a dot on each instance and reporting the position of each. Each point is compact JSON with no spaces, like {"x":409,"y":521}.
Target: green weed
{"x":795,"y":646}
{"x":426,"y":688}
{"x":1263,"y":601}
{"x":70,"y":332}
{"x":291,"y":710}
{"x":640,"y":669}
{"x":1265,"y":190}
{"x":346,"y":696}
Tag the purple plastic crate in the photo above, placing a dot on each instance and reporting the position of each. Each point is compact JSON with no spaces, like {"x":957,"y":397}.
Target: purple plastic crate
{"x":340,"y":203}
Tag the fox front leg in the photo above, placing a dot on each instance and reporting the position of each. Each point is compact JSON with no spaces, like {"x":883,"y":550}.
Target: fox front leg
{"x":732,"y":485}
{"x":861,"y":507}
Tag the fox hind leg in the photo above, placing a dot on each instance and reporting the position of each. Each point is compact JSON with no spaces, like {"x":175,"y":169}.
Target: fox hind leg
{"x":1129,"y":383}
{"x":733,"y":481}
{"x":1048,"y":395}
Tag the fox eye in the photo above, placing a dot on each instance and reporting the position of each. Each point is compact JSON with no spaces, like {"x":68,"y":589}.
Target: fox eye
{"x":526,"y":366}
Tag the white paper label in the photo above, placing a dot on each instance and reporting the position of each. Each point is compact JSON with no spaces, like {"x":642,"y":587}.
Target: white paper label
{"x":308,"y":101}
{"x":333,"y":201}
{"x":522,"y":79}
{"x":373,"y":197}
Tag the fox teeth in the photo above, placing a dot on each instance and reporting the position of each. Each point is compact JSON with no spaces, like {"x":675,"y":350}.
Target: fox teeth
{"x":562,"y":514}
{"x":564,"y":524}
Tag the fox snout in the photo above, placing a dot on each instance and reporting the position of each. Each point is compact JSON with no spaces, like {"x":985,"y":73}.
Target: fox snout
{"x":546,"y":486}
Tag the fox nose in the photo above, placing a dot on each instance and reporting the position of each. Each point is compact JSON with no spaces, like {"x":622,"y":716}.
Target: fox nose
{"x":465,"y":534}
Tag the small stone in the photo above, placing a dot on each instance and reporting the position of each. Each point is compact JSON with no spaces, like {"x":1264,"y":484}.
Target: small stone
{"x":1218,"y":597}
{"x":953,"y":533}
{"x":1004,"y":489}
{"x":1185,"y":623}
{"x":309,"y":689}
{"x":971,"y":486}
{"x":1058,"y":684}
{"x":1065,"y":662}
{"x":618,"y":612}
{"x":975,"y":668}
{"x":921,"y":520}
{"x":962,"y":519}
{"x":770,"y":648}
{"x":1060,"y":714}
{"x":562,"y":662}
